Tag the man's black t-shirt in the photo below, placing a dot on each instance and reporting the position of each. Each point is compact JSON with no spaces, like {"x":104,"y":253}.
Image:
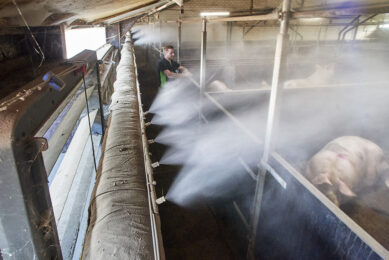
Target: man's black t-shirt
{"x":163,"y":65}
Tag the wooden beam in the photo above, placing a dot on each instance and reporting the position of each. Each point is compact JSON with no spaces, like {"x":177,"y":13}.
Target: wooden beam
{"x":179,"y":2}
{"x":102,"y":20}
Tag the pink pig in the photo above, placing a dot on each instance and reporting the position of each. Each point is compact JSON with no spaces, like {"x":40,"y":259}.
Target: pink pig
{"x":347,"y":165}
{"x":217,"y":86}
{"x":321,"y":76}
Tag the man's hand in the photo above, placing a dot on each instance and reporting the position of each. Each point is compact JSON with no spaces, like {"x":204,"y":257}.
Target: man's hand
{"x":186,"y":73}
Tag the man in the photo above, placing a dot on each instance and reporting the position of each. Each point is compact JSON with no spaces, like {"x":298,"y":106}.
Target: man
{"x":168,"y":68}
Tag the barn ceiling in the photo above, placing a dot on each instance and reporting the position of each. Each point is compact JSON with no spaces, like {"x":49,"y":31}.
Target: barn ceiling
{"x":54,"y":12}
{"x":51,"y":12}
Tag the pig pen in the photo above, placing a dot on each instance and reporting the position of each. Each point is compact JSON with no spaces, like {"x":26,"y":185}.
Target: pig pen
{"x":299,"y":221}
{"x":328,"y":113}
{"x":352,"y":102}
{"x":296,"y":221}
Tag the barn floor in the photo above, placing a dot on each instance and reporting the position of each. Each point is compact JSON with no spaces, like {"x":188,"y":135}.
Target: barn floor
{"x":188,"y":233}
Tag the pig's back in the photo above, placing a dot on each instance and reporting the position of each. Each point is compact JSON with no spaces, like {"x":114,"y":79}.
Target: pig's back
{"x":364,"y":155}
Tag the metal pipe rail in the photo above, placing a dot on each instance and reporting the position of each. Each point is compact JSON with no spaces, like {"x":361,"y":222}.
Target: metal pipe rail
{"x":159,"y":252}
{"x":229,"y":115}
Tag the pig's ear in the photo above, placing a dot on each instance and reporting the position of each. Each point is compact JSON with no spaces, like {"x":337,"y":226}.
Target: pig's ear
{"x":345,"y":190}
{"x":321,"y":179}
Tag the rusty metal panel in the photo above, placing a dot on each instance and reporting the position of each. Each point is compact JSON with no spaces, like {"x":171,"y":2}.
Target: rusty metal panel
{"x":26,"y":217}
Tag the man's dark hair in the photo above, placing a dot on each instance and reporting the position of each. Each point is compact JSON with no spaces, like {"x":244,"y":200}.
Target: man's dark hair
{"x":167,"y":47}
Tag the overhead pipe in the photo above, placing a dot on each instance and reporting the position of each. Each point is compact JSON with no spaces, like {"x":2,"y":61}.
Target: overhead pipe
{"x":327,"y":13}
{"x":260,"y":17}
{"x":348,"y":25}
{"x":358,"y":24}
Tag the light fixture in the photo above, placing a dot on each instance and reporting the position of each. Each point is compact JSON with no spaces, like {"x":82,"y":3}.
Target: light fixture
{"x":313,"y":19}
{"x":207,"y":14}
{"x":385,"y":25}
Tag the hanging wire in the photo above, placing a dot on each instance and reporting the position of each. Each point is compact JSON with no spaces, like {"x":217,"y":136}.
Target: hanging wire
{"x":32,"y":35}
{"x":89,"y":124}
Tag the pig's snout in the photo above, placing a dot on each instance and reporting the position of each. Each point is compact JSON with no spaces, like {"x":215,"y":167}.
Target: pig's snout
{"x":385,"y":178}
{"x":332,"y":196}
{"x":328,"y":191}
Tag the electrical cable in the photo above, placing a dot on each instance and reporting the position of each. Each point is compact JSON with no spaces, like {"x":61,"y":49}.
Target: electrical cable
{"x":32,"y":35}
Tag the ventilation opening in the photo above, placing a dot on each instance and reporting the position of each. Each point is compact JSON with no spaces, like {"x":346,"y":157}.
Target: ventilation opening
{"x":78,"y":40}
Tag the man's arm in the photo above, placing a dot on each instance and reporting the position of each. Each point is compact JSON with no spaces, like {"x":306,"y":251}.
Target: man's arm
{"x":185,"y":71}
{"x":170,"y":74}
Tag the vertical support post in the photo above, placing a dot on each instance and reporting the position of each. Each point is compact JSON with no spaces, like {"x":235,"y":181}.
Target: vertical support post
{"x":356,"y":29}
{"x":203,"y":54}
{"x":230,"y":67}
{"x":63,"y":41}
{"x":179,"y":41}
{"x":229,"y":34}
{"x":100,"y":100}
{"x":203,"y":60}
{"x":277,"y":81}
{"x":154,"y":33}
{"x":119,"y":35}
{"x":160,"y":35}
{"x":279,"y":71}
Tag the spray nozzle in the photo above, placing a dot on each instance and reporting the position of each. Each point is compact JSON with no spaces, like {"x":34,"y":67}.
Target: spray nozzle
{"x":161,"y":200}
{"x":151,"y":141}
{"x":147,"y":124}
{"x":155,"y":165}
{"x":54,"y":81}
